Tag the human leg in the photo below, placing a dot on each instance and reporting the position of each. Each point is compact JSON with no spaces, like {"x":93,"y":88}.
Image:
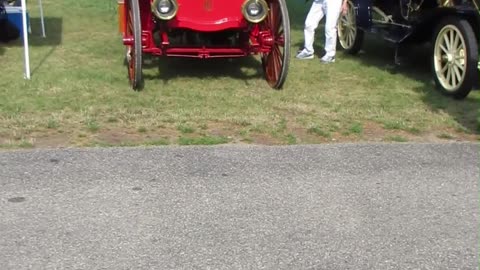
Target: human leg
{"x":333,"y":9}
{"x":314,"y":17}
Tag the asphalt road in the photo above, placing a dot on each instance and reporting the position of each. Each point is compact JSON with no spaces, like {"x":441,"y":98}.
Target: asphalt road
{"x":383,"y":206}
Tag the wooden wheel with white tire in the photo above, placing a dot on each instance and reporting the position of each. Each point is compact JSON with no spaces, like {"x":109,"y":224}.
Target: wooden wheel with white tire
{"x":350,"y":37}
{"x":455,"y":57}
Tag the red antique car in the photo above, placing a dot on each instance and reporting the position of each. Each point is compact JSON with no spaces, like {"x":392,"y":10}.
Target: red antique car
{"x":207,"y":29}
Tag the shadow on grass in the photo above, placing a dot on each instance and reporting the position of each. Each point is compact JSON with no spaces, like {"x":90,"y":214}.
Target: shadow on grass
{"x":53,"y":33}
{"x":298,"y":10}
{"x":244,"y":68}
{"x":416,"y":65}
{"x":380,"y":54}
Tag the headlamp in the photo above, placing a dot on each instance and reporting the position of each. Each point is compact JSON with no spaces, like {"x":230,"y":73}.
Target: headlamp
{"x":164,"y":6}
{"x":255,"y":11}
{"x":164,"y":9}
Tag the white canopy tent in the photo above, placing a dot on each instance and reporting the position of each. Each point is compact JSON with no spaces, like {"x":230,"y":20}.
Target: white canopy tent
{"x":25,"y":34}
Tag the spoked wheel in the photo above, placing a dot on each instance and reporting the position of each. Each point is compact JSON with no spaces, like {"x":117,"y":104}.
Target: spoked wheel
{"x":455,"y":57}
{"x":134,"y":51}
{"x":349,"y":36}
{"x":275,"y":63}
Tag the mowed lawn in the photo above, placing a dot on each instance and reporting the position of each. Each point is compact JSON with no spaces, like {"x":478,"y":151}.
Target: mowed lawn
{"x":79,"y":93}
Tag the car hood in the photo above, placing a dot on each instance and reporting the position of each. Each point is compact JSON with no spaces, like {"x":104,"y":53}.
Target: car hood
{"x":214,"y":13}
{"x":209,"y":15}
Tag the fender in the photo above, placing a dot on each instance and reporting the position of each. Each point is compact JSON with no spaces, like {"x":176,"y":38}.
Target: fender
{"x":428,"y":19}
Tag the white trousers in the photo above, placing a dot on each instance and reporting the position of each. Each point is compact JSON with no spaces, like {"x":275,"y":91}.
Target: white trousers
{"x":319,"y":8}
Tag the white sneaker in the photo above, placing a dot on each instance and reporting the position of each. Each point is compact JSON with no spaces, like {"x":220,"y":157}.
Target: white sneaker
{"x":304,"y":55}
{"x":328,"y":59}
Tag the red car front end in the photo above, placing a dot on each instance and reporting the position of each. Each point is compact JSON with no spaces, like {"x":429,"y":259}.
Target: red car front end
{"x":207,"y":29}
{"x":203,"y":28}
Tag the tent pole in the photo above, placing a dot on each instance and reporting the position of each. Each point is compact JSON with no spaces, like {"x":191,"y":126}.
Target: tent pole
{"x":25,"y":40}
{"x":41,"y":18}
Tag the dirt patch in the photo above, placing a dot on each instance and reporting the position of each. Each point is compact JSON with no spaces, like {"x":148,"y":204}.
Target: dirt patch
{"x":303,"y":136}
{"x":264,"y":139}
{"x":57,"y":140}
{"x":375,"y":132}
{"x":122,"y":136}
{"x":235,"y":133}
{"x":50,"y":139}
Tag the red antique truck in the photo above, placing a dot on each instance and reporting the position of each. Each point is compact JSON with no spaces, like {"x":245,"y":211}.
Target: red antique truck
{"x":207,"y":29}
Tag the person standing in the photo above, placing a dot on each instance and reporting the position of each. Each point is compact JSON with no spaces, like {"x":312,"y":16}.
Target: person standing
{"x":331,"y":9}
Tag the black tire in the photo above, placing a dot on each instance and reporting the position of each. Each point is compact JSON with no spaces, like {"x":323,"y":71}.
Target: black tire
{"x":134,"y":65}
{"x":461,"y":64}
{"x":276,"y":78}
{"x":350,"y":37}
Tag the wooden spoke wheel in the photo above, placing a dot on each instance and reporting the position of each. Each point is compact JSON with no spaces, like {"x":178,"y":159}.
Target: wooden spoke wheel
{"x":349,"y":36}
{"x":275,"y":63}
{"x":134,"y":51}
{"x":455,"y":57}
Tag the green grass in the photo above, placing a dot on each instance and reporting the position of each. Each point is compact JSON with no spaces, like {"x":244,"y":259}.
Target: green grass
{"x":206,"y":140}
{"x":356,"y":128}
{"x":291,"y":139}
{"x":186,"y":129}
{"x":79,"y":92}
{"x":159,"y":142}
{"x":52,"y":123}
{"x":396,"y":138}
{"x":319,"y":131}
{"x":92,"y":125}
{"x":22,"y":143}
{"x":445,"y":136}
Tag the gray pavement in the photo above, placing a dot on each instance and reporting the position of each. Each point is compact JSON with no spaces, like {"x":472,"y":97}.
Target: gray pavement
{"x":340,"y":206}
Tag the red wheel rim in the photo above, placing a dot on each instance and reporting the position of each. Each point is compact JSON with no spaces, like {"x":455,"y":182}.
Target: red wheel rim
{"x":273,"y":61}
{"x":131,"y":48}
